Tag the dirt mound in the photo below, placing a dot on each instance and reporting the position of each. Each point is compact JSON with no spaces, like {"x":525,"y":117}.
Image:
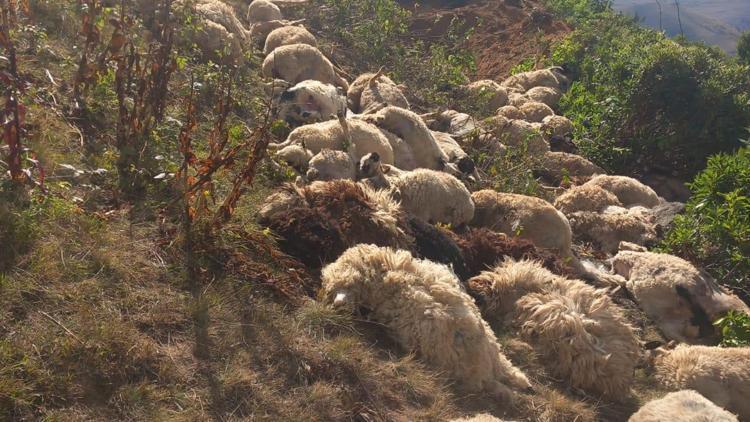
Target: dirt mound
{"x":504,"y":34}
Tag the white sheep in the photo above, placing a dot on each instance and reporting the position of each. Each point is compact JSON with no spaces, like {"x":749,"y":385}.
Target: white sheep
{"x":403,"y":156}
{"x":364,"y":137}
{"x":628,"y":190}
{"x":223,"y":14}
{"x":426,"y":311}
{"x":295,"y":156}
{"x":545,"y":95}
{"x":411,"y":128}
{"x":453,"y":123}
{"x":455,"y":153}
{"x":582,"y":336}
{"x":331,"y":165}
{"x":482,"y":417}
{"x":556,"y":125}
{"x":585,"y":198}
{"x":263,"y":11}
{"x":517,"y":134}
{"x":311,"y":101}
{"x":219,"y":32}
{"x":489,"y":91}
{"x":299,"y":62}
{"x":433,"y":196}
{"x":287,"y":35}
{"x":259,"y":30}
{"x":517,"y":99}
{"x":551,"y":77}
{"x":607,"y":230}
{"x":682,"y":300}
{"x":722,"y":375}
{"x":371,"y":92}
{"x":684,"y":405}
{"x":527,"y":217}
{"x":558,"y":165}
{"x":536,"y":112}
{"x":511,"y":113}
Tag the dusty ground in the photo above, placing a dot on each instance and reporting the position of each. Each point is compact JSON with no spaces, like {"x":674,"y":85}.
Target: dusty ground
{"x":504,"y":35}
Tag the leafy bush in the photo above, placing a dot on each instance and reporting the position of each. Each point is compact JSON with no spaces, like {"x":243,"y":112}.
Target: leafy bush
{"x":641,"y":96}
{"x":743,"y":48}
{"x":715,"y":229}
{"x":735,"y":329}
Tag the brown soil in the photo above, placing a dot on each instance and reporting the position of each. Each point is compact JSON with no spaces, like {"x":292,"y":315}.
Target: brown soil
{"x":504,"y":35}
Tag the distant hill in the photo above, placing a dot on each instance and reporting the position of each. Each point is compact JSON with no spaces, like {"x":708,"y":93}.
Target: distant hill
{"x":717,"y":23}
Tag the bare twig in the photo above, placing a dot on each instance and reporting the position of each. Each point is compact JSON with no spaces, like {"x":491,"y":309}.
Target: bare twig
{"x":60,"y":324}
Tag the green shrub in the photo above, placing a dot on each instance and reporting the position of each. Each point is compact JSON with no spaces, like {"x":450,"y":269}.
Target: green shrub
{"x":735,"y":329}
{"x":743,"y":48}
{"x":640,"y":96}
{"x":715,"y":229}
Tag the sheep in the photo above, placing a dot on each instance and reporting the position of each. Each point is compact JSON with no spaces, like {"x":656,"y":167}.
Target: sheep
{"x":481,"y":417}
{"x":263,"y":11}
{"x":579,"y":332}
{"x":425,"y":310}
{"x":518,"y":134}
{"x":411,"y":128}
{"x":561,"y":143}
{"x":309,"y":102}
{"x":684,"y":405}
{"x":527,"y":217}
{"x":536,"y":112}
{"x":722,"y":375}
{"x":223,"y":14}
{"x":544,"y":95}
{"x":628,"y":190}
{"x":331,"y":165}
{"x":259,"y":30}
{"x":434,"y":196}
{"x":489,"y":91}
{"x":220,"y":34}
{"x":331,"y":134}
{"x":455,"y":153}
{"x":517,"y":100}
{"x":320,"y":221}
{"x":295,"y":156}
{"x":552,"y":77}
{"x":682,"y":300}
{"x":511,"y":113}
{"x":403,"y":156}
{"x":556,"y":166}
{"x":482,"y":248}
{"x":453,"y":123}
{"x":606,"y":231}
{"x":299,"y":62}
{"x":287,"y":35}
{"x":585,"y":198}
{"x":557,"y":125}
{"x":371,"y":92}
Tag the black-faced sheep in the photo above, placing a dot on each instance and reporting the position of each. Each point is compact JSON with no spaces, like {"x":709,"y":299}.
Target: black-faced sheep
{"x":317,"y":223}
{"x":524,"y":216}
{"x":364,"y":137}
{"x":585,"y":198}
{"x":682,"y":300}
{"x":552,"y":77}
{"x":628,"y":190}
{"x":685,"y":406}
{"x":371,"y":92}
{"x":578,"y":331}
{"x":426,"y":311}
{"x":309,"y":102}
{"x":287,"y":35}
{"x":411,"y":128}
{"x":489,"y":92}
{"x":263,"y":11}
{"x":722,"y":375}
{"x":607,"y":230}
{"x":536,"y":112}
{"x":299,"y":62}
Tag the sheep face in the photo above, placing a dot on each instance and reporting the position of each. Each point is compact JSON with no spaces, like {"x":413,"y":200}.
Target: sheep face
{"x":368,"y":166}
{"x":304,"y":103}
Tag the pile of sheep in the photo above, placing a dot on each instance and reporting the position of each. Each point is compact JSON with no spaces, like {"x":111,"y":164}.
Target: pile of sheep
{"x":382,"y":207}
